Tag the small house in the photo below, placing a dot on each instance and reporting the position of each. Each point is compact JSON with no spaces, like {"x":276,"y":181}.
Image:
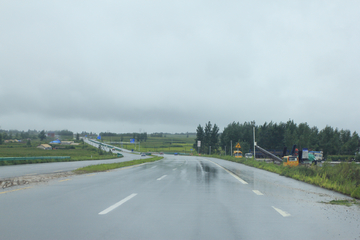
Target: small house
{"x":45,"y":146}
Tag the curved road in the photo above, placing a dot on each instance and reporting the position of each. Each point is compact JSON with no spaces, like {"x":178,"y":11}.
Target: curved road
{"x":176,"y":198}
{"x":56,"y":167}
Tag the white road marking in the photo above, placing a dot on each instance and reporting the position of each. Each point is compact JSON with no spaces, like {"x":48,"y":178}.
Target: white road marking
{"x":283,"y":213}
{"x":154,"y":167}
{"x":109,"y":209}
{"x":242,"y":181}
{"x":174,"y":169}
{"x":161,"y":177}
{"x":202,"y":169}
{"x":257,"y":192}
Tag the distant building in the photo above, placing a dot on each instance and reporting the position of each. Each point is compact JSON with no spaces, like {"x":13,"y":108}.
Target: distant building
{"x":51,"y":134}
{"x":45,"y":146}
{"x":57,"y":141}
{"x":12,"y":141}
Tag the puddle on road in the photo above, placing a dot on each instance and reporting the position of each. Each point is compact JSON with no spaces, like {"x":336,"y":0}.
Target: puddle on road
{"x":205,"y":172}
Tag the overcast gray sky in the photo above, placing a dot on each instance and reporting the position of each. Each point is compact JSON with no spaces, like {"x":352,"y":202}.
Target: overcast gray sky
{"x":168,"y":66}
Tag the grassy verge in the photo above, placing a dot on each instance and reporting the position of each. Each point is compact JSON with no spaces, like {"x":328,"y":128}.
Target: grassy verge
{"x":76,"y":153}
{"x":109,"y":166}
{"x":343,"y":178}
{"x":347,"y":203}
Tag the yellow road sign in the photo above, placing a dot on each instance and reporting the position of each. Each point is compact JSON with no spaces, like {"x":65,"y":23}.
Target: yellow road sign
{"x":238,"y":145}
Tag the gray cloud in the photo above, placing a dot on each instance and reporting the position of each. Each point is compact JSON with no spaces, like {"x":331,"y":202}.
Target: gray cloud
{"x":169,"y":66}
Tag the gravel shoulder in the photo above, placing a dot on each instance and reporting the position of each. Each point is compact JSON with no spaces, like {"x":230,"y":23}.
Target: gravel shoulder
{"x":31,"y":179}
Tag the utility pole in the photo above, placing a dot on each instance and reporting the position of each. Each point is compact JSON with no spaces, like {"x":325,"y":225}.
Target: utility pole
{"x":254,"y":141}
{"x":231,"y":147}
{"x":210,"y":150}
{"x":225,"y":150}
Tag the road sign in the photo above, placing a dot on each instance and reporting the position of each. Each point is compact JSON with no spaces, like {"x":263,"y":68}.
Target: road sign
{"x":132,"y":140}
{"x":238,"y":145}
{"x":199,"y":143}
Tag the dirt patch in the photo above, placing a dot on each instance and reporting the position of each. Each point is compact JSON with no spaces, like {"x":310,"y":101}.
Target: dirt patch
{"x":25,"y":180}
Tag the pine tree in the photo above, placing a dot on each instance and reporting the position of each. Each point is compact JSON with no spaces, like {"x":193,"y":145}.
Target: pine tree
{"x":199,"y":137}
{"x":42,"y":135}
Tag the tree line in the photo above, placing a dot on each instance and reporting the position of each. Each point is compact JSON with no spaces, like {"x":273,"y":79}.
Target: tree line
{"x":274,"y":136}
{"x":30,"y":134}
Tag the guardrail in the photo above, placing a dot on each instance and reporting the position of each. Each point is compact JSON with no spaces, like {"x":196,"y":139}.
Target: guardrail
{"x":177,"y":153}
{"x":32,"y":158}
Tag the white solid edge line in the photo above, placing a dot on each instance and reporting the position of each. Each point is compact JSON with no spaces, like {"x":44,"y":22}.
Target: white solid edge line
{"x":242,"y":181}
{"x":283,"y":213}
{"x":161,"y":177}
{"x":109,"y":209}
{"x":257,"y":192}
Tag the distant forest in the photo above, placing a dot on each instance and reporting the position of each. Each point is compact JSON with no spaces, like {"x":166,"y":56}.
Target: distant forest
{"x":274,"y":136}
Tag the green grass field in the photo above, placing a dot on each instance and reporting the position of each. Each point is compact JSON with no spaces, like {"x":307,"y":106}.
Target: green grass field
{"x":170,"y":143}
{"x":76,"y":153}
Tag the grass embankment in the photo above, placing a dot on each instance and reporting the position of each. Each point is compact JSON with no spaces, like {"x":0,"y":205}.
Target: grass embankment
{"x":76,"y":153}
{"x":343,"y":177}
{"x":110,"y":166}
{"x":347,"y":203}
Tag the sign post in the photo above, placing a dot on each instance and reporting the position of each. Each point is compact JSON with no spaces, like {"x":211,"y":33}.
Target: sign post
{"x":254,"y":142}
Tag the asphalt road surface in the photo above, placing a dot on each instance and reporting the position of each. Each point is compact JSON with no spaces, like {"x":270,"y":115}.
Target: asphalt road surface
{"x":56,"y":167}
{"x":178,"y":197}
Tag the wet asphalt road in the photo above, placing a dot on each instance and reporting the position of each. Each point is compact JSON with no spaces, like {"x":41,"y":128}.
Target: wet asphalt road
{"x":56,"y":167}
{"x":176,"y":198}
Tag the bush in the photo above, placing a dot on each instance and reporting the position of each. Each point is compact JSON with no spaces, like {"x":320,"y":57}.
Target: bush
{"x":356,"y":193}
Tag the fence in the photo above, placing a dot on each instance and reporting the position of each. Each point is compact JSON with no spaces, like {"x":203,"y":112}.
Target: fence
{"x":32,"y":158}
